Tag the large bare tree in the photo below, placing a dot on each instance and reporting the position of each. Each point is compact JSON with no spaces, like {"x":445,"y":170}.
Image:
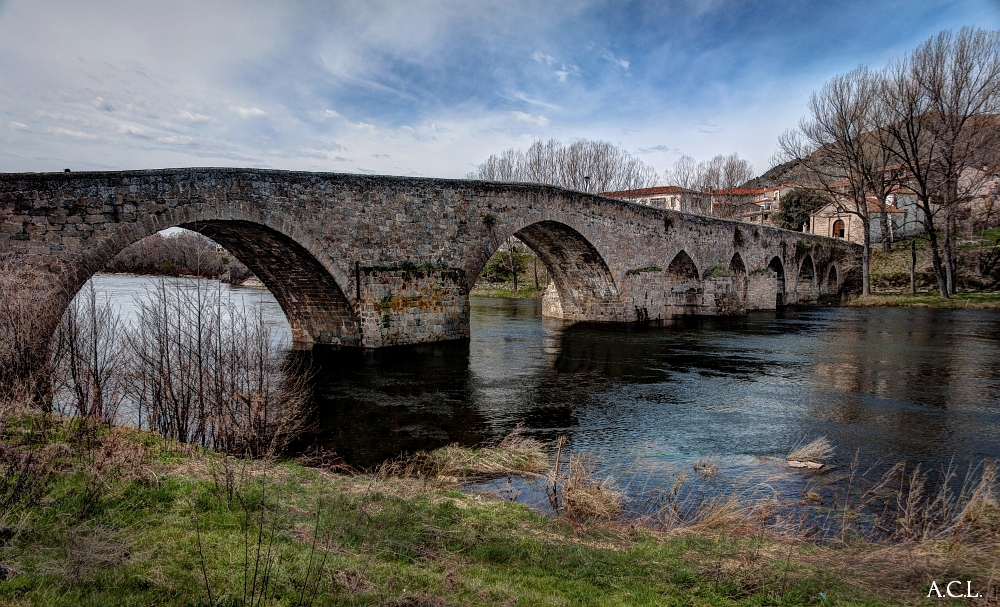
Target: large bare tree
{"x":838,"y":146}
{"x":943,"y":101}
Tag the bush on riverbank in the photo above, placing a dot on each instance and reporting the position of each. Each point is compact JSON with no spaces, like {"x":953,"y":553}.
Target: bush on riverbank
{"x":184,"y":254}
{"x":125,"y":517}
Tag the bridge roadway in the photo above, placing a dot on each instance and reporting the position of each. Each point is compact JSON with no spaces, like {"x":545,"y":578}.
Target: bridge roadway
{"x":375,"y":261}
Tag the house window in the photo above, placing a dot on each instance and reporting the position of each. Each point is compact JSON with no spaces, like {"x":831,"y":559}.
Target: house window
{"x":838,"y":228}
{"x":658,"y":202}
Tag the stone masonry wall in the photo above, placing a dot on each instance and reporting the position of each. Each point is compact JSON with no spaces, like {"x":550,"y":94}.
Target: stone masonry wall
{"x":374,"y":261}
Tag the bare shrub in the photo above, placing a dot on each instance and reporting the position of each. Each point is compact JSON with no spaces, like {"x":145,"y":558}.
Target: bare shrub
{"x":207,"y":372}
{"x":184,"y":254}
{"x":88,"y":357}
{"x":26,"y":319}
{"x":91,"y":548}
{"x":24,"y":480}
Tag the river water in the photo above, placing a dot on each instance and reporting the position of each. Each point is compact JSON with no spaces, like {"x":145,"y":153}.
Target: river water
{"x":884,"y":383}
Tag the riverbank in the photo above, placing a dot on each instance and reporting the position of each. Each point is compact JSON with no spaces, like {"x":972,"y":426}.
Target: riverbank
{"x":505,"y":290}
{"x":928,"y":299}
{"x":109,"y":516}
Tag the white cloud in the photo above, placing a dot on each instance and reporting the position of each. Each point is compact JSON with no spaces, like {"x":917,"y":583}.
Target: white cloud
{"x":193,"y":117}
{"x":177,"y":140}
{"x":17,"y":126}
{"x":58,"y":130}
{"x":330,"y":114}
{"x":526,"y":117}
{"x":624,"y":63}
{"x":129,"y":129}
{"x":541,"y":57}
{"x":249,"y":112}
{"x":522,"y":96}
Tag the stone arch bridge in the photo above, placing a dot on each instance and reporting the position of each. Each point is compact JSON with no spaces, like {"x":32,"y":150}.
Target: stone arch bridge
{"x":375,"y":261}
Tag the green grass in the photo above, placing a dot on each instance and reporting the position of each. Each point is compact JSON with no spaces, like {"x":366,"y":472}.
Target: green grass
{"x":130,"y":519}
{"x":525,"y":290}
{"x":973,"y":299}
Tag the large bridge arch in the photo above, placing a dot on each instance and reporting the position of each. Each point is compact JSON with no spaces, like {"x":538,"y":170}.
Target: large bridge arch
{"x":315,"y":305}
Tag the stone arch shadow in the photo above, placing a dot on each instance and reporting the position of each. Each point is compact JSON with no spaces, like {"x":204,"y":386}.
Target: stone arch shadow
{"x":832,"y":283}
{"x":807,"y":281}
{"x":682,"y":286}
{"x":311,"y":298}
{"x":778,"y":268}
{"x":582,"y":287}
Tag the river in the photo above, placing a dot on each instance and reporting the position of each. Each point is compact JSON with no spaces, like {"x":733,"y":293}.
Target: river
{"x":885,"y":384}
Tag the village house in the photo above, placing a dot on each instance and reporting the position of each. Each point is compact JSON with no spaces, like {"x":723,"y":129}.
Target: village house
{"x":834,"y":220}
{"x":667,"y":197}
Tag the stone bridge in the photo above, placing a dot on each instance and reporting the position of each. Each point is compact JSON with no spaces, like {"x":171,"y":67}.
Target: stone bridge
{"x":376,"y":261}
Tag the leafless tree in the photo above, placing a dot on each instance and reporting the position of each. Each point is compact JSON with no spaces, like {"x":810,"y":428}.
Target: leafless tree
{"x":835,"y":143}
{"x":207,"y":372}
{"x":584,"y":165}
{"x":89,"y":359}
{"x":26,"y":320}
{"x":721,"y":177}
{"x":184,"y":254}
{"x":942,"y":101}
{"x":684,"y":173}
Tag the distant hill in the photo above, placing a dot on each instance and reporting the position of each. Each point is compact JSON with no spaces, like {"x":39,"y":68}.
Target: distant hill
{"x":787,"y":172}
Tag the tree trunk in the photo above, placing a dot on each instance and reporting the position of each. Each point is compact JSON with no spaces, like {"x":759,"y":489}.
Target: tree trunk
{"x":866,"y":254}
{"x":932,"y":237}
{"x":913,"y":267}
{"x":513,"y":265}
{"x":948,"y":262}
{"x":884,"y":220}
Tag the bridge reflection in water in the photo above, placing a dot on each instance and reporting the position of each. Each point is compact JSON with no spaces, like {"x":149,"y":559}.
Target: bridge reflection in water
{"x":893,"y":383}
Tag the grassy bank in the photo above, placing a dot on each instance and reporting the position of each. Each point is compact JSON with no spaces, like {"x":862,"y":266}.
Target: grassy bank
{"x":505,"y":290}
{"x":110,"y":516}
{"x":964,"y":299}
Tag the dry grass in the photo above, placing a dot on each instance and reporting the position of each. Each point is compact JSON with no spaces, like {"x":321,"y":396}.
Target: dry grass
{"x":819,"y":451}
{"x":584,"y":496}
{"x":515,"y":454}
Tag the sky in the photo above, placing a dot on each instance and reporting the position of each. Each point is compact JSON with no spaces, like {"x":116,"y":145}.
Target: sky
{"x":426,"y":87}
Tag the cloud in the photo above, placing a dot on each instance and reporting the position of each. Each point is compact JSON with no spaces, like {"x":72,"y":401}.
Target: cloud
{"x":58,"y":130}
{"x":193,"y":117}
{"x":658,"y":148}
{"x":564,"y":72}
{"x":522,"y":96}
{"x":177,"y":140}
{"x":525,"y":117}
{"x":249,"y":112}
{"x":129,"y":129}
{"x":541,"y":57}
{"x":329,"y":114}
{"x":380,"y":155}
{"x":623,"y":63}
{"x":17,"y":126}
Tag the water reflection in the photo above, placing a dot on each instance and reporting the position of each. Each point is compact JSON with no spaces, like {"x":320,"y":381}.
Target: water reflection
{"x":919,"y":384}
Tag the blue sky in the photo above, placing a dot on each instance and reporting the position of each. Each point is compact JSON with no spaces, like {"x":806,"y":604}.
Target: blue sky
{"x":425,"y":88}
